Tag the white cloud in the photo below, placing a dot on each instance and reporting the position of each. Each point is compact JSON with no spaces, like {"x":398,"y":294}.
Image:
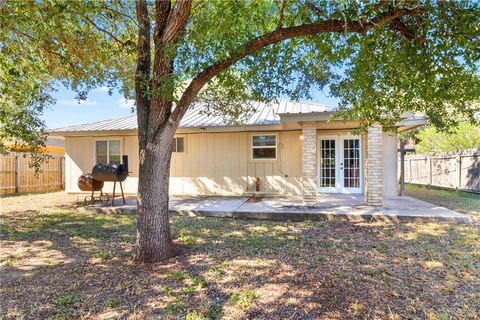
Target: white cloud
{"x":75,"y":102}
{"x":126,"y":103}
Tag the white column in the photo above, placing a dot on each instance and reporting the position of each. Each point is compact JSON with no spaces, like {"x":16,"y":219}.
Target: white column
{"x":309,"y":175}
{"x":374,"y":166}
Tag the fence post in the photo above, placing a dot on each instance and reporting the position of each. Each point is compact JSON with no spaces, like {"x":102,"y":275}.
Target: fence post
{"x":459,"y":173}
{"x":409,"y":170}
{"x":430,"y":174}
{"x":62,"y":176}
{"x":17,"y":173}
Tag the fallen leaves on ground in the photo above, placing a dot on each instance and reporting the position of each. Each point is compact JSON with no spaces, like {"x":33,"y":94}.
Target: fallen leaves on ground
{"x":60,"y":262}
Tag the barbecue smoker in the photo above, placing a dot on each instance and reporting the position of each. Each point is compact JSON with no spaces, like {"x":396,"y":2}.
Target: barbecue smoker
{"x":104,"y":173}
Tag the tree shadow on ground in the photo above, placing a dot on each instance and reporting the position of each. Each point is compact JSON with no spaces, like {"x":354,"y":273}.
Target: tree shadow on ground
{"x":247,"y":269}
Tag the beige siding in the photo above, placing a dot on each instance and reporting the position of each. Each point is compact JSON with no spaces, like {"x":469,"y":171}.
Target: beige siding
{"x":213,"y":163}
{"x":220,"y":163}
{"x":389,"y":163}
{"x":80,"y":158}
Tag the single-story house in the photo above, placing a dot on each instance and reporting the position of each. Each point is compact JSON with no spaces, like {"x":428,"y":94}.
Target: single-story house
{"x":284,"y":148}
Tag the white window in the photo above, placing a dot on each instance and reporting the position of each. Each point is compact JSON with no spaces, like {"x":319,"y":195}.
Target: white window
{"x":107,"y":151}
{"x":264,"y":147}
{"x":178,"y":144}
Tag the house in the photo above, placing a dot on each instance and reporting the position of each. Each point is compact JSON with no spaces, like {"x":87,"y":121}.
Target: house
{"x":289,"y":148}
{"x":52,"y":146}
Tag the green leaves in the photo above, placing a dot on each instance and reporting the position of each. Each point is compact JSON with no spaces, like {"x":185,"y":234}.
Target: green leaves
{"x":377,"y":75}
{"x":46,"y":42}
{"x":435,"y":75}
{"x":465,"y":136}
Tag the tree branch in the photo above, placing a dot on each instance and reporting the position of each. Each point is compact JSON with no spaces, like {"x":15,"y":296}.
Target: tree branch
{"x":401,"y":27}
{"x":177,"y":20}
{"x":280,"y":19}
{"x":314,"y":8}
{"x":170,"y":22}
{"x":323,"y":26}
{"x":101,"y":29}
{"x":142,"y":72}
{"x":380,"y":4}
{"x":117,"y":12}
{"x":36,"y":41}
{"x":162,"y":10}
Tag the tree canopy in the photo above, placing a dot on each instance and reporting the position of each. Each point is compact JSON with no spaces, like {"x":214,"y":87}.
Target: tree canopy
{"x":425,"y":60}
{"x":44,"y":43}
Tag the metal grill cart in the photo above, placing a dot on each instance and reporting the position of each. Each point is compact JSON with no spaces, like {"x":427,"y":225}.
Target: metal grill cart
{"x":86,"y":182}
{"x":112,"y":173}
{"x":95,"y":181}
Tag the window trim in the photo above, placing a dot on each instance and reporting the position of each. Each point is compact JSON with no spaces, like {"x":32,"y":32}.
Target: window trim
{"x":263,"y":147}
{"x":108,"y":155}
{"x":184,"y":144}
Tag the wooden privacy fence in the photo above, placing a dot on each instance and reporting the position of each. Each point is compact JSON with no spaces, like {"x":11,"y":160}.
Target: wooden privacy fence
{"x":17,"y":176}
{"x":448,"y":170}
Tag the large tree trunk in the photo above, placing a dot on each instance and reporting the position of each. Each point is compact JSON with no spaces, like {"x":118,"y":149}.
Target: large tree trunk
{"x":154,"y":241}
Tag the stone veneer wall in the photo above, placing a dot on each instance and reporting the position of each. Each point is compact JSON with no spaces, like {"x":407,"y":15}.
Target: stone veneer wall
{"x":374,"y":166}
{"x":309,"y":176}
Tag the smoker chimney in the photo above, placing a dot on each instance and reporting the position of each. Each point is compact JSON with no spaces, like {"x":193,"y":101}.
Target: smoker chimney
{"x":125,"y":163}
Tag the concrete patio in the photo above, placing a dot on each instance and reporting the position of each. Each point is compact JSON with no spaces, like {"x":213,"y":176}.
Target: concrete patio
{"x":328,"y":207}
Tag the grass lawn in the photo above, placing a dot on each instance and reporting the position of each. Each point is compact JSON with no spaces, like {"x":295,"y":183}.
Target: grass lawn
{"x":60,"y":262}
{"x":461,"y":201}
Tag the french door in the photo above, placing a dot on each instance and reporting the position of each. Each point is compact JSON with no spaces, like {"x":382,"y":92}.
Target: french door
{"x":339,"y":165}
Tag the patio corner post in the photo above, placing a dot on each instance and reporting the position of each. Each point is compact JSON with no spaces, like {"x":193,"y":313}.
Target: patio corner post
{"x":309,"y":172}
{"x":374,"y":166}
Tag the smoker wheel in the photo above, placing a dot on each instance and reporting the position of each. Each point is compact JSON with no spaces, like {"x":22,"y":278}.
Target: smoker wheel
{"x":89,"y":201}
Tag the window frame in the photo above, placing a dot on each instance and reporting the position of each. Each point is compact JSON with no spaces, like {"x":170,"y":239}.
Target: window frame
{"x":175,"y":143}
{"x":263,"y":147}
{"x":108,"y":148}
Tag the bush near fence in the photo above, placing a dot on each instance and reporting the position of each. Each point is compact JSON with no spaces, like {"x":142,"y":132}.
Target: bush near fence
{"x":449,"y":170}
{"x":16,"y":175}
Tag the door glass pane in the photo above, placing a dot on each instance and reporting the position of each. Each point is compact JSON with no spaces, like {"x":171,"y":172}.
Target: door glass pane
{"x":351,"y":161}
{"x":327,"y":164}
{"x":101,"y":151}
{"x":114,"y":151}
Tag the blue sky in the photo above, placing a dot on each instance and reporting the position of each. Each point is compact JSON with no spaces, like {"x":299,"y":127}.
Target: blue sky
{"x":100,"y":106}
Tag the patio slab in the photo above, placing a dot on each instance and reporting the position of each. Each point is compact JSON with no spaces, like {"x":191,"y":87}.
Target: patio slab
{"x":346,"y":207}
{"x":209,"y":206}
{"x":328,"y":207}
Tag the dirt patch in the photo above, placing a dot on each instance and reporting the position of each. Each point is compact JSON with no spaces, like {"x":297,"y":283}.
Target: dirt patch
{"x":19,"y":258}
{"x":79,"y":265}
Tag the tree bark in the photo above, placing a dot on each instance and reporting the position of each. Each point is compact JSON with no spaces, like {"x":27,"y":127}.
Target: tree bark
{"x":154,"y":241}
{"x":155,"y":129}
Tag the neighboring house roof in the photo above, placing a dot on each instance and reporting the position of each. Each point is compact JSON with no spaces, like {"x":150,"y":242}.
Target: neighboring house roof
{"x":52,"y":146}
{"x":196,"y":117}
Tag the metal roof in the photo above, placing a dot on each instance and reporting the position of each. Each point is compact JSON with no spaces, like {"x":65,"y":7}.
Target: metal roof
{"x":265,"y":114}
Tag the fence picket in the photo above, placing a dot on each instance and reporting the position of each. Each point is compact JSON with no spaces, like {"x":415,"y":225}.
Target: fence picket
{"x":16,"y":176}
{"x":456,"y":171}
